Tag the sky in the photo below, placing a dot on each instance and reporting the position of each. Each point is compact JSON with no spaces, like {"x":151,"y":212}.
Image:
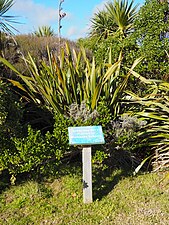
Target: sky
{"x":36,"y":13}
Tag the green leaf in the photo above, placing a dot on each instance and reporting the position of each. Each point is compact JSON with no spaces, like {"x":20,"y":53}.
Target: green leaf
{"x":141,"y":165}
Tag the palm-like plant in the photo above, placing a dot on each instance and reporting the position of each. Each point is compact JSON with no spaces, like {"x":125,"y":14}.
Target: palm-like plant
{"x":117,"y":16}
{"x":44,"y":31}
{"x":102,"y":25}
{"x":123,"y":14}
{"x":5,"y":21}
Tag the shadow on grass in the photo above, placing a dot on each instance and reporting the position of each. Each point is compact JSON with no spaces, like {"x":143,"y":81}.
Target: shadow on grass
{"x":105,"y":181}
{"x":4,"y":180}
{"x":119,"y":166}
{"x":49,"y":175}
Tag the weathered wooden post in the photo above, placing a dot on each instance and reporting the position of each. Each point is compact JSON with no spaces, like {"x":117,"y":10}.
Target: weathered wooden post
{"x":86,"y":136}
{"x":87,"y":174}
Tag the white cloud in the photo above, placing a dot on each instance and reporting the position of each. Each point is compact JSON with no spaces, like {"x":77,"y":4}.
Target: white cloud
{"x":75,"y":33}
{"x":72,"y":31}
{"x":34,"y":14}
{"x":99,"y":6}
{"x":96,"y":8}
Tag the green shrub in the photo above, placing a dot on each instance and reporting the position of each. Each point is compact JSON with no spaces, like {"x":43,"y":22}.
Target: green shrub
{"x":42,"y":153}
{"x":151,"y":38}
{"x":11,"y":114}
{"x":35,"y":153}
{"x":36,"y":150}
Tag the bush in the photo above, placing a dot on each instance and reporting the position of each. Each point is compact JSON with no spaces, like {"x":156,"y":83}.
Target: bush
{"x":42,"y":153}
{"x":34,"y":154}
{"x":36,"y":46}
{"x":11,"y":113}
{"x":151,"y":37}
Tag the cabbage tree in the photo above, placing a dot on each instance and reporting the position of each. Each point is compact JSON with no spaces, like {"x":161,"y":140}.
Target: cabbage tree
{"x":123,"y":14}
{"x":44,"y":31}
{"x":118,"y":16}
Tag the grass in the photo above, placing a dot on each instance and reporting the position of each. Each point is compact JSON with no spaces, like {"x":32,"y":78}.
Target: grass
{"x":119,"y":199}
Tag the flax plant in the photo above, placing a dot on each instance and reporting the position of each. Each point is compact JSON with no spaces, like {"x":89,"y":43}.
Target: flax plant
{"x":155,"y":110}
{"x":72,"y":78}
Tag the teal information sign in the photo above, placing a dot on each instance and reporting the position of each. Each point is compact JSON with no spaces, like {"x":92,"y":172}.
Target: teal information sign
{"x":86,"y":135}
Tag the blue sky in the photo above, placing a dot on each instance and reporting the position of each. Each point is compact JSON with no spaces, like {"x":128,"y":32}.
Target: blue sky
{"x":35,"y":13}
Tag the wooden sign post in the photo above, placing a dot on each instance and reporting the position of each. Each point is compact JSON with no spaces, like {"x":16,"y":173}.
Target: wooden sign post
{"x":87,"y":175}
{"x":86,"y":136}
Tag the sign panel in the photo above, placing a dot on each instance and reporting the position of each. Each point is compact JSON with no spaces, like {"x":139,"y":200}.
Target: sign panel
{"x":86,"y":135}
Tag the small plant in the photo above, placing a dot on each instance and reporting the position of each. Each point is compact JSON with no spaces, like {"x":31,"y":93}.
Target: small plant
{"x":44,"y":31}
{"x":127,"y":125}
{"x":34,"y":153}
{"x":82,"y":113}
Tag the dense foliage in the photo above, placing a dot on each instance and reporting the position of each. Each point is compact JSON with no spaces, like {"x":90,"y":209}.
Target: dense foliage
{"x":42,"y":153}
{"x":62,"y":85}
{"x":151,"y":29}
{"x":10,"y":121}
{"x":148,"y":37}
{"x":10,"y":111}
